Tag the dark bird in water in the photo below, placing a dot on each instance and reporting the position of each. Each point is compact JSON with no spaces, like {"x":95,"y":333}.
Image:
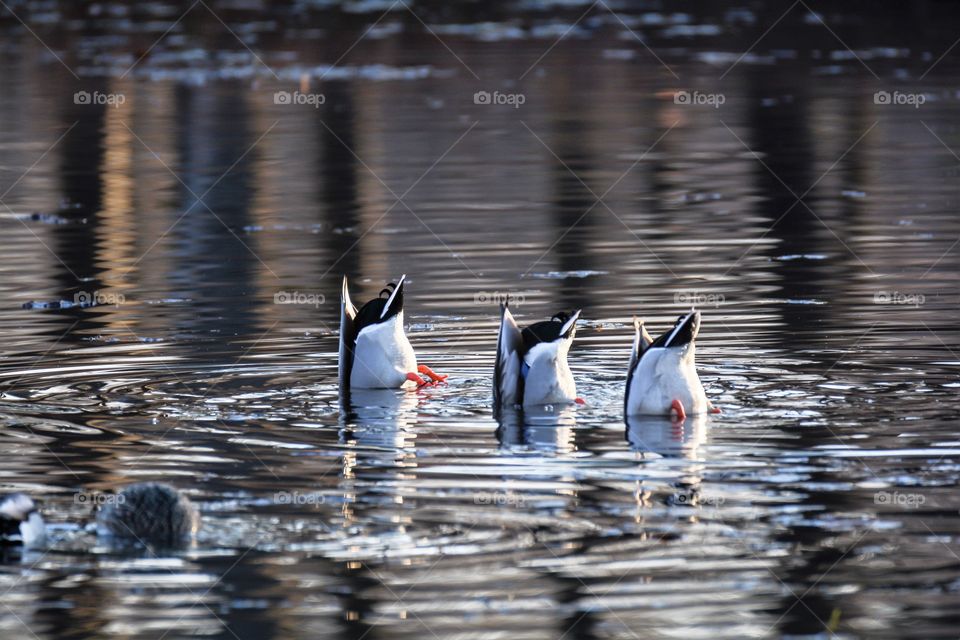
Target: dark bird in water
{"x":150,"y":513}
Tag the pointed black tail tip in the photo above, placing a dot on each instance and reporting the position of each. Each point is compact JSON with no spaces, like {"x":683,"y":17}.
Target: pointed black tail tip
{"x":563,"y":316}
{"x":569,"y":322}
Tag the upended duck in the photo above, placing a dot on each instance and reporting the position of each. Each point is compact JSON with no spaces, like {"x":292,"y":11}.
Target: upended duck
{"x":20,"y":521}
{"x":374,"y":350}
{"x":662,"y":378}
{"x":531,"y":366}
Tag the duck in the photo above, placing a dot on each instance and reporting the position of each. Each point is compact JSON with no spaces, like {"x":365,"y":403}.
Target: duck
{"x":148,"y":513}
{"x":662,"y":378}
{"x":20,"y":521}
{"x":374,"y":350}
{"x":531,"y":365}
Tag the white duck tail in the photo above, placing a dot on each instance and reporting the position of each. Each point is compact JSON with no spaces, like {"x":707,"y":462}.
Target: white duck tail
{"x":662,"y":378}
{"x":374,"y":350}
{"x":531,"y":367}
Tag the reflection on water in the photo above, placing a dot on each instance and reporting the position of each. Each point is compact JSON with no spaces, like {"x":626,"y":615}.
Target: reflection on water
{"x":547,"y":427}
{"x":814,"y":227}
{"x":666,"y":437}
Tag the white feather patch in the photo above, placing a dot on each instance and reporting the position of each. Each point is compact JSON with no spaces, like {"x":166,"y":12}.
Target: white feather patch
{"x":665,"y":374}
{"x":549,"y":379}
{"x":383,"y":356}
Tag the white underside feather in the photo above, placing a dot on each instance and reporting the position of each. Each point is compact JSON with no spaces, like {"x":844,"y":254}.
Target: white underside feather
{"x":383,"y":356}
{"x":663,"y":375}
{"x":549,"y":379}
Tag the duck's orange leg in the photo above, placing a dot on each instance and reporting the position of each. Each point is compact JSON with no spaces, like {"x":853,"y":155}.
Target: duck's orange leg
{"x":412,"y":377}
{"x":427,"y":371}
{"x":676,"y":411}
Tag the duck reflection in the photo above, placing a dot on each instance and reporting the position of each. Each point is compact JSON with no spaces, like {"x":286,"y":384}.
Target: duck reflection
{"x":378,"y":411}
{"x":376,"y":427}
{"x":379,"y":469}
{"x":668,"y":438}
{"x":544,"y":428}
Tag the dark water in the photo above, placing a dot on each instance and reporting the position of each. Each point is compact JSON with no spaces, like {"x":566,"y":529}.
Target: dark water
{"x":815,"y":228}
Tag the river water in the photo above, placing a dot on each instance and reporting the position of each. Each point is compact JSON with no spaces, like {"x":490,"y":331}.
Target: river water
{"x":210,"y":220}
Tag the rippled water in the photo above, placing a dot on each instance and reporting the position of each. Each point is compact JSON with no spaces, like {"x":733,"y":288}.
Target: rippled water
{"x":821,"y":502}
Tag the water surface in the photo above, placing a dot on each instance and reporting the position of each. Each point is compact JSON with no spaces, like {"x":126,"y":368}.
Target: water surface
{"x":815,"y":229}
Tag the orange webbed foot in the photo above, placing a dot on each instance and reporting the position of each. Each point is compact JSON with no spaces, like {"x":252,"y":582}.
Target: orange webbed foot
{"x":580,"y":401}
{"x":715,"y":410}
{"x":412,"y":377}
{"x":427,"y":371}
